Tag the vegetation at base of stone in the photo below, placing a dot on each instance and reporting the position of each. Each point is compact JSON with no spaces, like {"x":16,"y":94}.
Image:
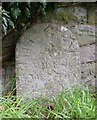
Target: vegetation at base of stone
{"x":71,"y":103}
{"x":17,"y":14}
{"x":10,"y":86}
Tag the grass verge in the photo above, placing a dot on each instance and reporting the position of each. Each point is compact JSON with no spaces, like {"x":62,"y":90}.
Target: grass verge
{"x":72,"y":103}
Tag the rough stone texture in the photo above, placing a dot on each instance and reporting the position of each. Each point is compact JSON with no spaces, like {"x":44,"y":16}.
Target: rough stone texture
{"x":88,"y":69}
{"x":87,"y":53}
{"x":68,"y":14}
{"x":47,"y":61}
{"x":88,"y":74}
{"x":85,"y":34}
{"x":81,"y":14}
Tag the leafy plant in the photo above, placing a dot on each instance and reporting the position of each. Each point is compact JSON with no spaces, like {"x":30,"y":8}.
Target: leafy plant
{"x":6,"y":21}
{"x":15,"y":14}
{"x":73,"y":103}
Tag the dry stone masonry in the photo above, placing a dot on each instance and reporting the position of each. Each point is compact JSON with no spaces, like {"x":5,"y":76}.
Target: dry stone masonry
{"x":47,"y":61}
{"x":86,"y":36}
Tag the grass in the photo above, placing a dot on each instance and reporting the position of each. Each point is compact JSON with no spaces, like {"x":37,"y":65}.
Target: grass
{"x":72,"y":103}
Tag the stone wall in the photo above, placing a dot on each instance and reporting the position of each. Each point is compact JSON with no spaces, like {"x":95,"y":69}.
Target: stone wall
{"x":68,"y":16}
{"x":81,"y":20}
{"x":86,"y":36}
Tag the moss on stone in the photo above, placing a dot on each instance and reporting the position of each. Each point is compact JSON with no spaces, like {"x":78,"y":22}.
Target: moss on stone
{"x":91,"y":15}
{"x":69,"y":16}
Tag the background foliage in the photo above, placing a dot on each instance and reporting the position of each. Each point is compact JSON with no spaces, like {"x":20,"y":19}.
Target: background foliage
{"x":17,"y":14}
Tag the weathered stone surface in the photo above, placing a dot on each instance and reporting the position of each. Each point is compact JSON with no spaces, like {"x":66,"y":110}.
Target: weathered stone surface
{"x":85,"y":34}
{"x":90,"y":81}
{"x":88,"y":73}
{"x":87,"y":53}
{"x":88,"y":69}
{"x":47,"y":61}
{"x":68,"y":14}
{"x":81,"y":14}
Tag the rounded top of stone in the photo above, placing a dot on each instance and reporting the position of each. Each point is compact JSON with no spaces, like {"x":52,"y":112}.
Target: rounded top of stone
{"x":48,"y":28}
{"x":47,"y":60}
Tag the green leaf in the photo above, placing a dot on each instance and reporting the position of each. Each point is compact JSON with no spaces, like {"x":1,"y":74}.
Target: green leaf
{"x":27,"y":12}
{"x":15,"y":11}
{"x":42,"y":10}
{"x":32,"y":8}
{"x":4,"y":21}
{"x":4,"y":29}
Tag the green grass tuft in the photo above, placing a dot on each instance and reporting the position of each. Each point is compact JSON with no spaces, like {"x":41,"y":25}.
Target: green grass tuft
{"x":72,"y":103}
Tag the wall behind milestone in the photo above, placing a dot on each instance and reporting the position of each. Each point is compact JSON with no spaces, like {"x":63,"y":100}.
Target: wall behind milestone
{"x":80,"y":19}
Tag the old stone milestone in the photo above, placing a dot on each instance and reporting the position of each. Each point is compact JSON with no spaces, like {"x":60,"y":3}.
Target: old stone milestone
{"x":47,"y":61}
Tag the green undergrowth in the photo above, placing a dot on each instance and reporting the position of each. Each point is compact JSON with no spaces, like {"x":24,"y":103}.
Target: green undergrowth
{"x":74,"y":103}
